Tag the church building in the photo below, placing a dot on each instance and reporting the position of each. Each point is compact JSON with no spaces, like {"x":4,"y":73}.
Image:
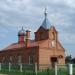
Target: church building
{"x":44,"y":49}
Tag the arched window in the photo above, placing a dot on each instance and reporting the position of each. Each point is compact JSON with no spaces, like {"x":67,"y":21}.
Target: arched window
{"x":53,"y":36}
{"x":53,"y":43}
{"x":60,"y":56}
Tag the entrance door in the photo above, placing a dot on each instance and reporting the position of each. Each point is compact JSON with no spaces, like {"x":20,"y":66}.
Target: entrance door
{"x":53,"y":61}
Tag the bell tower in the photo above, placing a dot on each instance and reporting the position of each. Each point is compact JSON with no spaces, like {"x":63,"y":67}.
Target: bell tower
{"x":43,"y":32}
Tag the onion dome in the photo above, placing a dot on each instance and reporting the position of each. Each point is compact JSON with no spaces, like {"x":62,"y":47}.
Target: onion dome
{"x":22,"y":32}
{"x":46,"y":24}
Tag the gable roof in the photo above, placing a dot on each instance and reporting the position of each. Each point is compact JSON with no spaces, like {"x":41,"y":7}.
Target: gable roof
{"x":14,"y":46}
{"x":18,"y":45}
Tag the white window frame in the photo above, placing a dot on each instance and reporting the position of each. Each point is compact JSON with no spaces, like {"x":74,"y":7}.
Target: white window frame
{"x":30,"y":59}
{"x":53,"y":43}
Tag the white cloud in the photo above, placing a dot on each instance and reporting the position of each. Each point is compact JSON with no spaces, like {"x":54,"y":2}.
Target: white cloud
{"x":29,"y":13}
{"x":67,"y":38}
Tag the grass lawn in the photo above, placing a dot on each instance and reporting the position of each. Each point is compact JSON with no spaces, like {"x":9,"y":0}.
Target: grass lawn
{"x":17,"y":73}
{"x":44,"y":72}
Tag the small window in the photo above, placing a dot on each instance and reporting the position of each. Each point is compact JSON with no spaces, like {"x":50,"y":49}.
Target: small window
{"x":30,"y":59}
{"x":53,"y":35}
{"x":19,"y":59}
{"x":3,"y":59}
{"x":10,"y":58}
{"x":60,"y":56}
{"x":53,"y":43}
{"x":42,"y":35}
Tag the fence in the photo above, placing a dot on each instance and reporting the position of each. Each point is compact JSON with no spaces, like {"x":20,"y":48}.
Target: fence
{"x":32,"y":69}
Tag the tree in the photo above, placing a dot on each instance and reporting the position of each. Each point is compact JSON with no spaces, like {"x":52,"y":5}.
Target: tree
{"x":73,"y":60}
{"x":68,"y":59}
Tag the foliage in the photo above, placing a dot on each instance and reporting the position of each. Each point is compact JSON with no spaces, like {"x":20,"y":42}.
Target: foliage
{"x":68,"y":59}
{"x":73,"y":60}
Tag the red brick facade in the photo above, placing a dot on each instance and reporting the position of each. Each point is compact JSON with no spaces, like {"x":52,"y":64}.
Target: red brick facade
{"x":41,"y":49}
{"x":44,"y":49}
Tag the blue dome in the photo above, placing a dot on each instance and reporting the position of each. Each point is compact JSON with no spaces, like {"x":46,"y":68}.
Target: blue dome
{"x":46,"y":24}
{"x":22,"y":32}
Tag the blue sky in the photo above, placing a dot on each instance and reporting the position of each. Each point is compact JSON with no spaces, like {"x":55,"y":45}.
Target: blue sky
{"x":30,"y":13}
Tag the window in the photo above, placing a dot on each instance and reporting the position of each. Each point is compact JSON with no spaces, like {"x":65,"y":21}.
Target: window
{"x":53,"y":35}
{"x":53,"y":43}
{"x":31,"y":59}
{"x":10,"y":58}
{"x":60,"y":56}
{"x":3,"y":59}
{"x":19,"y":59}
{"x":42,"y":35}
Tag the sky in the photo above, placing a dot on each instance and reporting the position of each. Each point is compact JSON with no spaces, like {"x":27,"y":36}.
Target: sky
{"x":30,"y":14}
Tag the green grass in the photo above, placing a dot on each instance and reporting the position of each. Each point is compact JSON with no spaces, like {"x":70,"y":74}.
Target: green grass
{"x":17,"y":73}
{"x":31,"y":73}
{"x":44,"y":72}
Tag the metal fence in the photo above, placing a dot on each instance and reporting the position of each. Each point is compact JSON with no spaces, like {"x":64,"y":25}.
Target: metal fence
{"x":34,"y":69}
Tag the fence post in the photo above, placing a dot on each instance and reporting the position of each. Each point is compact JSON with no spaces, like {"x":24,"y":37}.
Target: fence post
{"x":20,"y":67}
{"x":35,"y":68}
{"x":0,"y":66}
{"x":56,"y":69}
{"x":70,"y":69}
{"x":9,"y":66}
